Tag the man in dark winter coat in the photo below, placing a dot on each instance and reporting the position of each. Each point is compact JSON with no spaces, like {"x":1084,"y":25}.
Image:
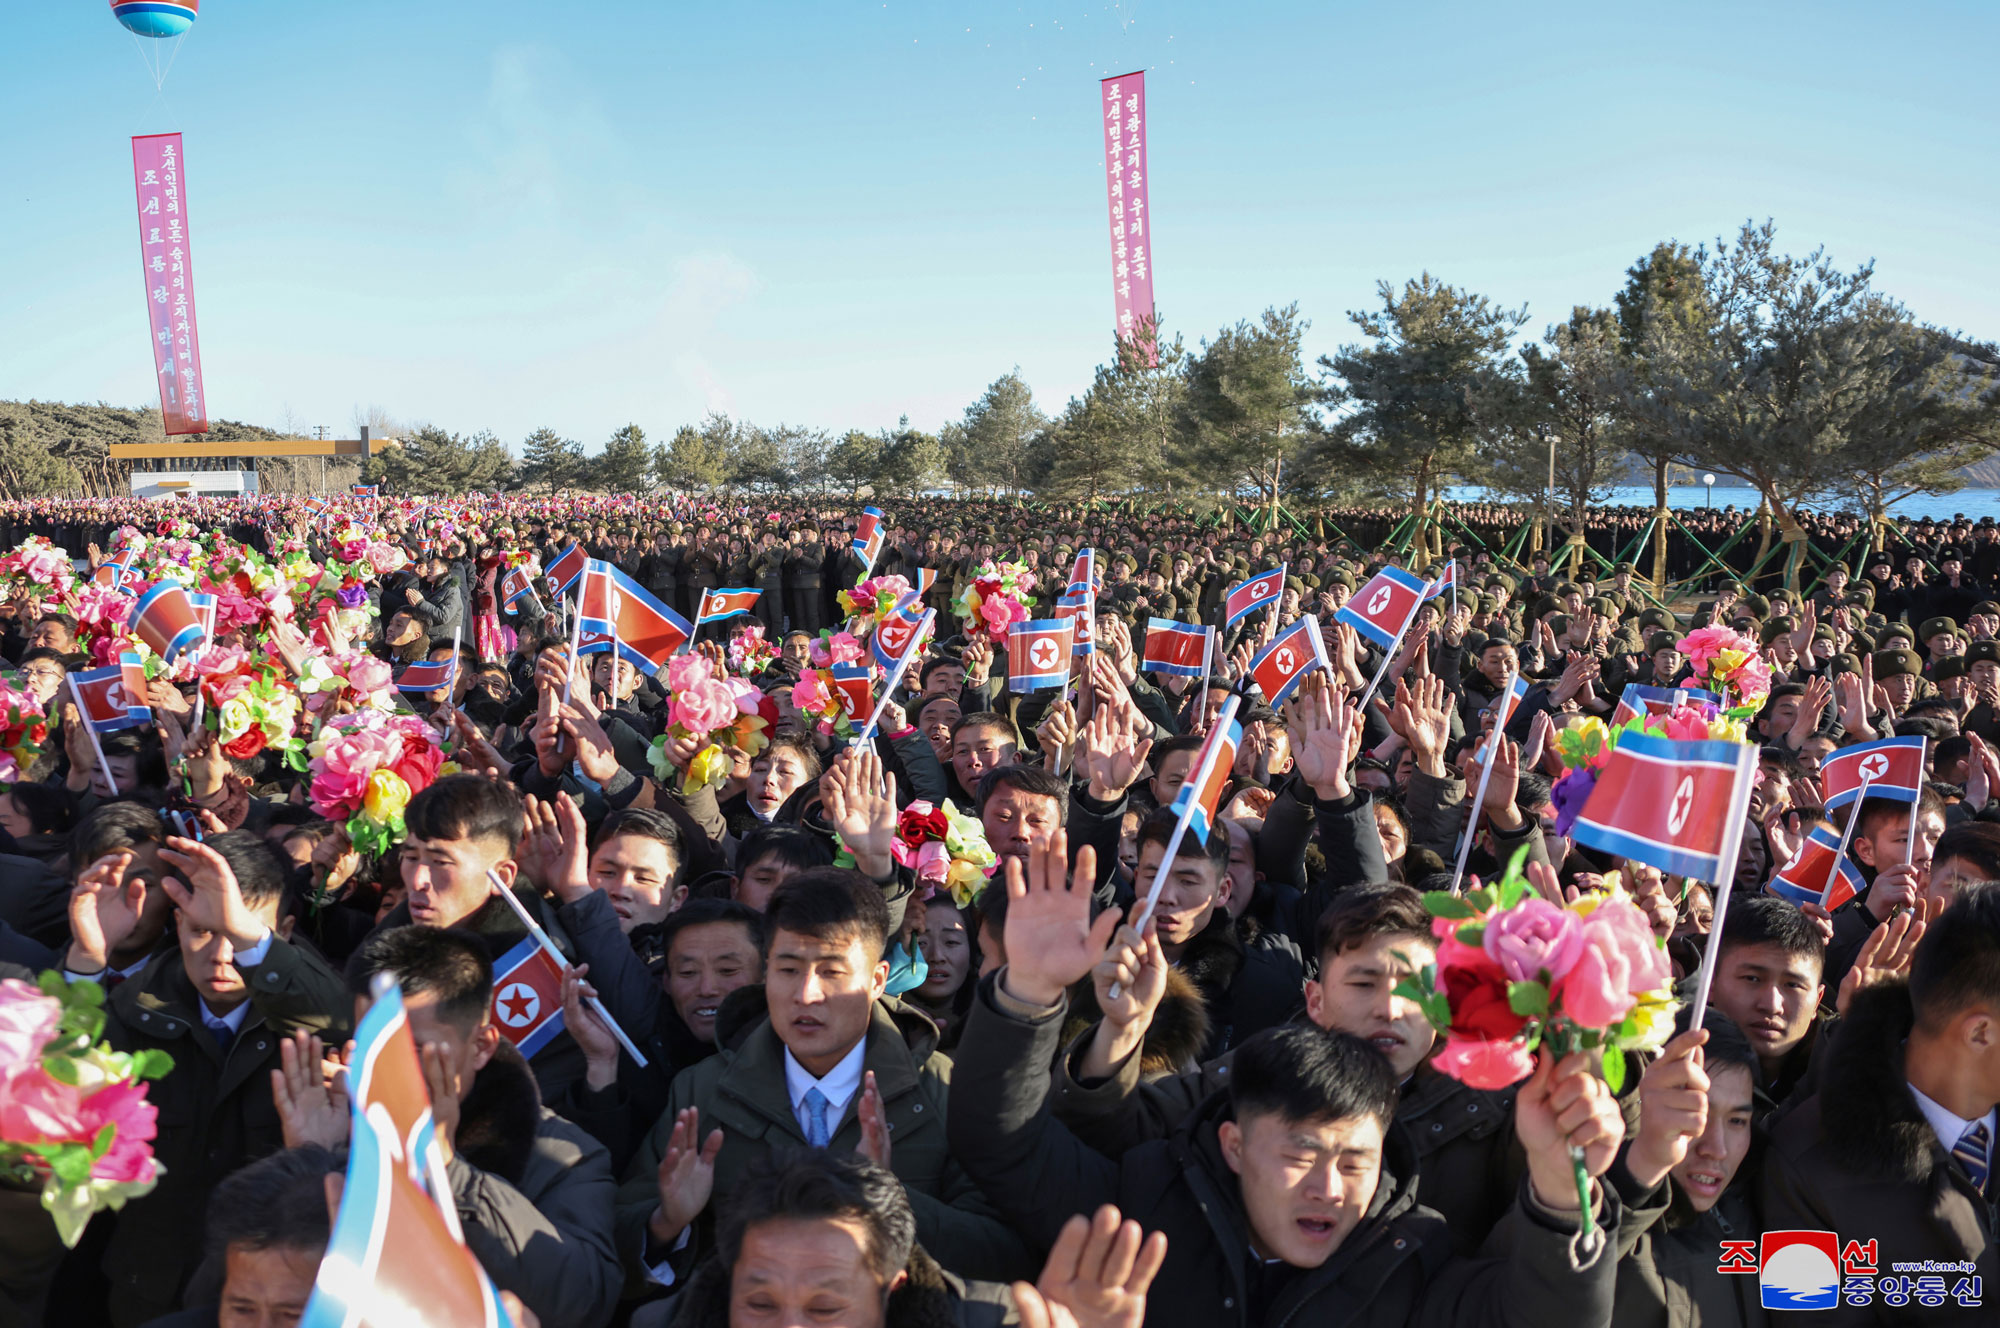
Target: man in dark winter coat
{"x":220,"y":1005}
{"x":1287,"y":1199}
{"x":1898,"y":1146}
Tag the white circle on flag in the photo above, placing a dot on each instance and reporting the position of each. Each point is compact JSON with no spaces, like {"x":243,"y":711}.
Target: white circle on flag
{"x":1285,"y":659}
{"x":1261,"y":589}
{"x":518,"y":1004}
{"x":847,"y":704}
{"x":1873,"y":766}
{"x":1042,"y":654}
{"x":1379,"y":600}
{"x":114,"y":696}
{"x":1682,"y":805}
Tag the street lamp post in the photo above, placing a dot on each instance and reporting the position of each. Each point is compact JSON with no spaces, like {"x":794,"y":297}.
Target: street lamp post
{"x":1708,"y":499}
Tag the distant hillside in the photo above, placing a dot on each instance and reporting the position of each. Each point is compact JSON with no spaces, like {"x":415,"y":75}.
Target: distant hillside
{"x":1983,"y":474}
{"x":52,"y":446}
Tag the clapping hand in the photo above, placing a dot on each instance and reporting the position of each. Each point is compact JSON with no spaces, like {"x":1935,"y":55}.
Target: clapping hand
{"x":1050,"y":940}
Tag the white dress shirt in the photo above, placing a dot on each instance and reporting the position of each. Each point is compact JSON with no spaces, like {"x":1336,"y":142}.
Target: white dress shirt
{"x":839,"y":1087}
{"x":1951,"y":1126}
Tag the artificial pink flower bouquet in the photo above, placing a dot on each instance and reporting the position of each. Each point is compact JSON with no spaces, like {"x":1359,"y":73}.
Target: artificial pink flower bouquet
{"x":1516,"y":971}
{"x":73,"y":1113}
{"x":1729,"y":663}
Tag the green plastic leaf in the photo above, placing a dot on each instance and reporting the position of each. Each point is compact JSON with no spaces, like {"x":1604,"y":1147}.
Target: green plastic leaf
{"x":1472,"y":933}
{"x":62,"y":1069}
{"x":1443,"y":904}
{"x":1528,"y":999}
{"x":102,"y":1143}
{"x":1614,"y":1068}
{"x":1480,"y":898}
{"x":151,"y":1064}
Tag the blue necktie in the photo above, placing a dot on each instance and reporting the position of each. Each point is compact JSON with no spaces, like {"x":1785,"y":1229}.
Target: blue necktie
{"x":816,"y":1104}
{"x":1970,"y":1150}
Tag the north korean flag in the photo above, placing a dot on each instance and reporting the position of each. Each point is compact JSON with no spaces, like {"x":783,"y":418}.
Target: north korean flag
{"x":114,"y":698}
{"x":567,"y":567}
{"x":364,"y":490}
{"x":113,"y":570}
{"x":1249,"y":596}
{"x":166,"y":621}
{"x":896,"y":634}
{"x":519,"y":581}
{"x":1446,"y":582}
{"x":1381,"y":609}
{"x":527,"y":996}
{"x":316,"y":506}
{"x":1038,"y":653}
{"x":1636,"y":700}
{"x":429,"y":675}
{"x":1672,"y":805}
{"x":1081,"y":610}
{"x":613,"y":605}
{"x":1819,"y":874}
{"x":1201,"y":794}
{"x":204,"y":612}
{"x":719,"y":604}
{"x":854,"y":684}
{"x":1083,"y":579}
{"x":926,"y":578}
{"x":1892,"y":768}
{"x":1280,"y":667}
{"x":386,"y":1079}
{"x":1174,"y":648}
{"x":868,"y":537}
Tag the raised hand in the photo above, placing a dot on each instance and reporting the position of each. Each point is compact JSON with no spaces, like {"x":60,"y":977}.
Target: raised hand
{"x":104,"y":909}
{"x":1885,"y":956}
{"x":1425,"y":715}
{"x":1108,"y":755}
{"x":873,"y":1118}
{"x":205,"y":890}
{"x":686,"y":1178}
{"x":593,"y":746}
{"x":1050,"y":941}
{"x":860,"y":804}
{"x":1324,"y":744}
{"x":1673,"y":1109}
{"x":1056,"y":734}
{"x":310,"y":1095}
{"x":473,"y":751}
{"x":592,"y":1034}
{"x":1097,"y":1275}
{"x":447,"y":1087}
{"x":554,"y":849}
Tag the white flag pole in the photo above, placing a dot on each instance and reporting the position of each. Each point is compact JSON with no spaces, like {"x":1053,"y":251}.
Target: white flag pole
{"x":1732,"y":844}
{"x":1846,"y":833}
{"x":542,"y":939}
{"x":1479,"y":798}
{"x":83,"y":717}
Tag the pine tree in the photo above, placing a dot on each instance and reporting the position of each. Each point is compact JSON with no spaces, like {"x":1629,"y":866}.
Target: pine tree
{"x":549,"y":459}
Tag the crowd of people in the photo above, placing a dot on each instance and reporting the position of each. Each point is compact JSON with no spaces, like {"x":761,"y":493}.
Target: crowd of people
{"x":909,"y":1053}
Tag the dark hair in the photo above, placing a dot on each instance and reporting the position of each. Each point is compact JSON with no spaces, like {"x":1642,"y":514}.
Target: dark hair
{"x":703,"y":912}
{"x":933,"y":664}
{"x":986,"y":719}
{"x":815,"y":1185}
{"x":798,"y":849}
{"x":293,"y":815}
{"x":1769,"y":920}
{"x":467,"y":807}
{"x":109,"y":828}
{"x":1300,"y":1072}
{"x":646,"y":824}
{"x":1726,"y":1043}
{"x":1876,"y":810}
{"x":275,"y":1203}
{"x":260,"y":875}
{"x":1977,"y":840}
{"x":1957,"y":964}
{"x":827,"y":903}
{"x":1188,"y":742}
{"x":1029,"y":779}
{"x":1363,"y":911}
{"x":795,"y":742}
{"x":1158,"y":828}
{"x":453,"y":966}
{"x":50,"y":810}
{"x":40,"y":653}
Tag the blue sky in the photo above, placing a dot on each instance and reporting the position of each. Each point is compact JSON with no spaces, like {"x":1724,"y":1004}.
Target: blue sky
{"x":502,"y":215}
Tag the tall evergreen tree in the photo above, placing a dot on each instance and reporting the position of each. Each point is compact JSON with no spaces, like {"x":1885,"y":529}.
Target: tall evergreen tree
{"x":550,"y":460}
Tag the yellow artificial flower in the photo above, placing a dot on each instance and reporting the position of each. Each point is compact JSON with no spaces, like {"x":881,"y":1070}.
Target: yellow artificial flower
{"x":709,"y":769}
{"x":1653,"y":1017}
{"x":386,"y":797}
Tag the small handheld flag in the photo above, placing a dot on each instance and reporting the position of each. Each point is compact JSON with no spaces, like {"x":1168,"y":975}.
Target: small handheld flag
{"x":166,"y":621}
{"x":868,"y":537}
{"x":1038,"y":653}
{"x":523,"y":1019}
{"x":567,"y":567}
{"x":1447,"y":580}
{"x":1820,"y":873}
{"x":719,"y":604}
{"x":429,"y":675}
{"x":1672,"y":805}
{"x":895,"y":677}
{"x":519,"y":581}
{"x":386,"y":1079}
{"x":1246,"y":597}
{"x":1892,"y":768}
{"x":1176,"y":649}
{"x":1081,"y":610}
{"x":616,"y":611}
{"x":1083,"y":578}
{"x":1280,"y":667}
{"x":114,"y":698}
{"x":1637,"y":700}
{"x":112,"y":571}
{"x":365,"y":490}
{"x":204,"y":612}
{"x":854,"y":684}
{"x":1381,"y":610}
{"x":894,"y":636}
{"x":1197,"y":804}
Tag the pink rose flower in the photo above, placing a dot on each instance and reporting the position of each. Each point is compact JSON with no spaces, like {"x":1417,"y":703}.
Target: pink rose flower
{"x":1594,"y":991}
{"x":337,"y":794}
{"x":368,"y":674}
{"x":129,"y":1159}
{"x":36,"y":1109}
{"x":704,"y":708}
{"x":685,"y":672}
{"x":221,"y":691}
{"x":28,"y":1020}
{"x":218,"y":660}
{"x":844,"y":648}
{"x":809,"y":694}
{"x":1478,"y":1063}
{"x":1532,"y":936}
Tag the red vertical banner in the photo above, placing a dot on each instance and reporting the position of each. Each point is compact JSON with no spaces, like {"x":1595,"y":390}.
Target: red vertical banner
{"x":1124,"y":106}
{"x":159,"y":173}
